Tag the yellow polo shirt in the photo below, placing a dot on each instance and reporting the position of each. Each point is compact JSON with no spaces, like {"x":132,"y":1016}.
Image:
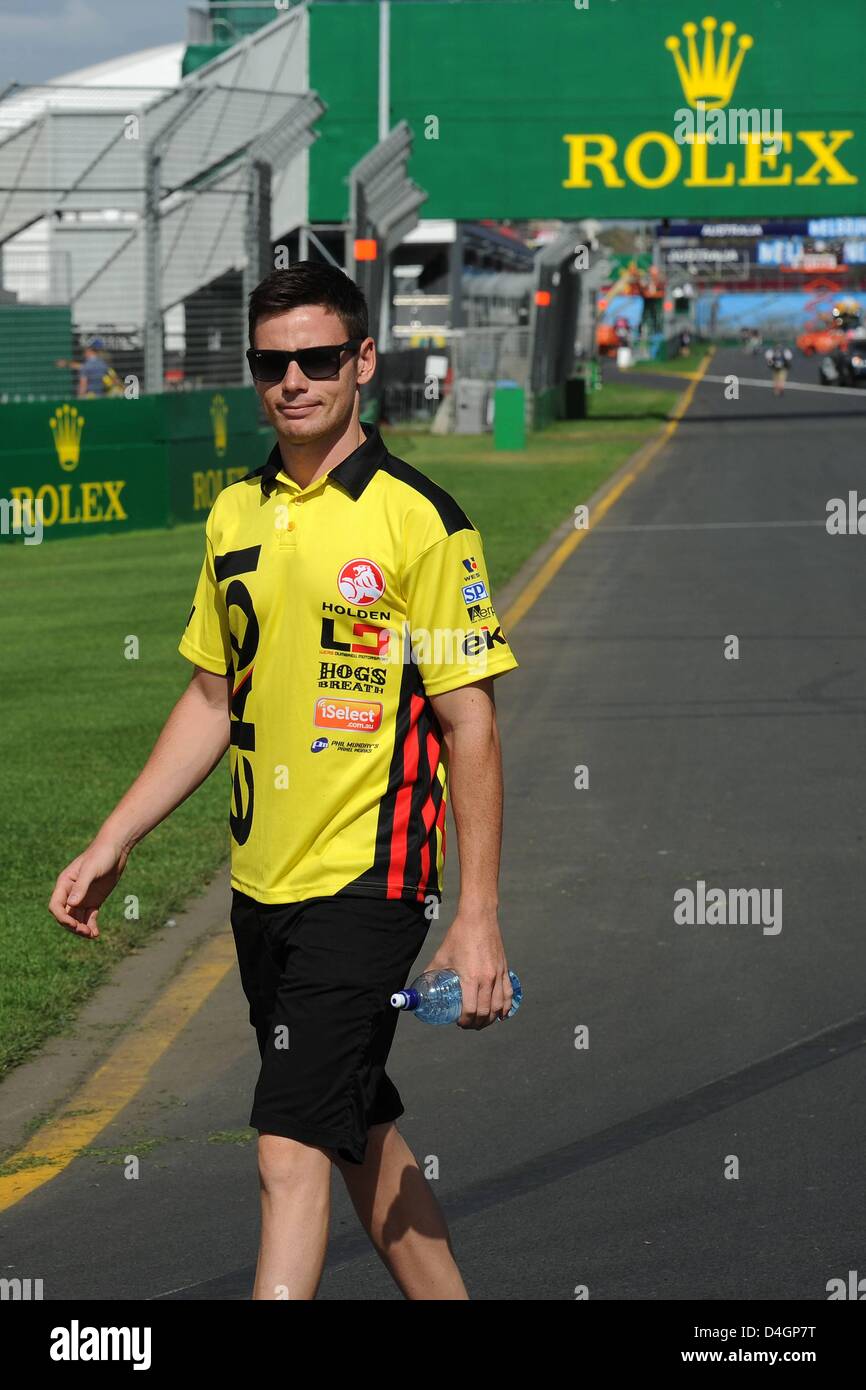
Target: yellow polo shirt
{"x":339,"y":609}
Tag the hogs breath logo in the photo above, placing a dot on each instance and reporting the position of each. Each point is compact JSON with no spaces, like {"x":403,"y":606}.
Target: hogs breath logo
{"x":709,"y":80}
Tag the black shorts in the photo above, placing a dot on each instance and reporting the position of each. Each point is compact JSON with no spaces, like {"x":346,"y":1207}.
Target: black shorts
{"x":319,"y":976}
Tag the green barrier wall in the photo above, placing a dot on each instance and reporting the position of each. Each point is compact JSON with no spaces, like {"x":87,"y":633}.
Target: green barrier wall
{"x":33,"y":337}
{"x":211,"y":439}
{"x":101,"y":466}
{"x":554,"y":109}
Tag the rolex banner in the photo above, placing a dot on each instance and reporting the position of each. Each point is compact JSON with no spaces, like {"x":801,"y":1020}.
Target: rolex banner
{"x":76,"y":467}
{"x":608,"y":108}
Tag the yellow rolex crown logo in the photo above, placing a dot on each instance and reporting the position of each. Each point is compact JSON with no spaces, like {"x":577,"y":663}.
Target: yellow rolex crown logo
{"x":219,"y":414}
{"x":66,"y":426}
{"x":713,"y":77}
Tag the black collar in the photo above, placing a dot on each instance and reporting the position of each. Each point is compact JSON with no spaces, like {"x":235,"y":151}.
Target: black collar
{"x":353,"y":472}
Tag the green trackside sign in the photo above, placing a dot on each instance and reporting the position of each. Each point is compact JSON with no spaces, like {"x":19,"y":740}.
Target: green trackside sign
{"x":610,"y":108}
{"x":93,"y":467}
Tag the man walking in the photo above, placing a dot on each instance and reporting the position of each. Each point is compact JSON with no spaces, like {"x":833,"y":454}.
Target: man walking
{"x":778,"y":359}
{"x":345,"y":646}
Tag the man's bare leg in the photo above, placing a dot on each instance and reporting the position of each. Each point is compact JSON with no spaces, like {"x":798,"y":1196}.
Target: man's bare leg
{"x":399,"y":1212}
{"x":295,"y":1182}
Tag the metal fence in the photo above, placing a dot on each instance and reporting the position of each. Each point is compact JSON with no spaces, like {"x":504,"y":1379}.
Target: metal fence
{"x":491,"y":354}
{"x":134,"y":222}
{"x":139,"y":218}
{"x":231,"y":20}
{"x":481,"y":357}
{"x":403,"y":403}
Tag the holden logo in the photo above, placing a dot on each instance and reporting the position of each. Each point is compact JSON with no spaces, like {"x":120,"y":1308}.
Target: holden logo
{"x":361,"y":581}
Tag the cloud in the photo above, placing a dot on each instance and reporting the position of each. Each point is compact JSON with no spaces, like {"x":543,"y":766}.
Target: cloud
{"x":74,"y":19}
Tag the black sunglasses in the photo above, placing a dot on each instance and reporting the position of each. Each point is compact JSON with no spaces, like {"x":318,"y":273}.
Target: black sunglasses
{"x":316,"y":363}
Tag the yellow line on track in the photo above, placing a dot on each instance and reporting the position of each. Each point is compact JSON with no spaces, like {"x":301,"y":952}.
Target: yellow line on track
{"x":120,"y":1077}
{"x":644,"y":457}
{"x":671,"y":376}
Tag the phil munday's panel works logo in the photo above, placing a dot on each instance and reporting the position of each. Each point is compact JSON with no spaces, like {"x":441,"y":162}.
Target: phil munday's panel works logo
{"x":658,"y":158}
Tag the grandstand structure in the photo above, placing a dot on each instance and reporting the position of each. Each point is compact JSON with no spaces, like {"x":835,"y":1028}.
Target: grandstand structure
{"x":136,"y":195}
{"x":141,"y":198}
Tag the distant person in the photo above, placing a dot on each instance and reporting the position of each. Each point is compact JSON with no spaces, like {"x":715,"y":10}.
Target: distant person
{"x":96,"y":376}
{"x":685,"y":342}
{"x":752,"y":341}
{"x":778,"y":359}
{"x":94,"y":371}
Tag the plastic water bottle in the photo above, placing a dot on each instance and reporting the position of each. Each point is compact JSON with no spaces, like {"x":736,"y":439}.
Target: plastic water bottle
{"x":435,"y":996}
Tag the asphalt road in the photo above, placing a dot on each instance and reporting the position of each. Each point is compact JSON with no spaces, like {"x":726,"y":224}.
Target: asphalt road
{"x":604,"y":1166}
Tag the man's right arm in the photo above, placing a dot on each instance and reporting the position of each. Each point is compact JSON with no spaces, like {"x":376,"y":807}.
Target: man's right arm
{"x":193,"y":740}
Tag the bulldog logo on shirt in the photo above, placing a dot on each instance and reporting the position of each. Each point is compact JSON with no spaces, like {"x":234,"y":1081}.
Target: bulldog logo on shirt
{"x":361,"y":581}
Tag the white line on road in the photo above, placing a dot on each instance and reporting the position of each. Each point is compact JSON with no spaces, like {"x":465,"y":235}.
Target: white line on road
{"x":704,"y":525}
{"x":768,"y":386}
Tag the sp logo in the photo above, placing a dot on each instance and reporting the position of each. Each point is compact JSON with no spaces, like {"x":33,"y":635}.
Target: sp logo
{"x":361,"y":581}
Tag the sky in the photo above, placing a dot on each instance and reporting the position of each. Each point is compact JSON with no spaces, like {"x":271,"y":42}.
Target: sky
{"x":42,"y":39}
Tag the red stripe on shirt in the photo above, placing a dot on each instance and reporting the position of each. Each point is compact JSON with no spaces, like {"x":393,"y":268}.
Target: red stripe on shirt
{"x":403,"y":806}
{"x":428,"y":814}
{"x":242,"y":682}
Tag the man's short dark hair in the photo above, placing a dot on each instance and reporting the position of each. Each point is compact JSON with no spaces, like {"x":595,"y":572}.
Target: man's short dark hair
{"x":310,"y":282}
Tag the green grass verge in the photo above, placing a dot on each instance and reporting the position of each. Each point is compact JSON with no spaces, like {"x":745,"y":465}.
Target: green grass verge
{"x":517,"y":499}
{"x":81,"y":717}
{"x":688,"y":363}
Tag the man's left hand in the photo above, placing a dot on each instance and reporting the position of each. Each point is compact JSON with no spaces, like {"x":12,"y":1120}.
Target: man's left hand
{"x":473,"y":949}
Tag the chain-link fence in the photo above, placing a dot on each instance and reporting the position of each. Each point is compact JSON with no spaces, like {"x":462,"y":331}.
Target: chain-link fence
{"x":424,"y":384}
{"x":481,"y":357}
{"x":412,"y":402}
{"x":230,"y":21}
{"x":492,"y":354}
{"x":134,"y":222}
